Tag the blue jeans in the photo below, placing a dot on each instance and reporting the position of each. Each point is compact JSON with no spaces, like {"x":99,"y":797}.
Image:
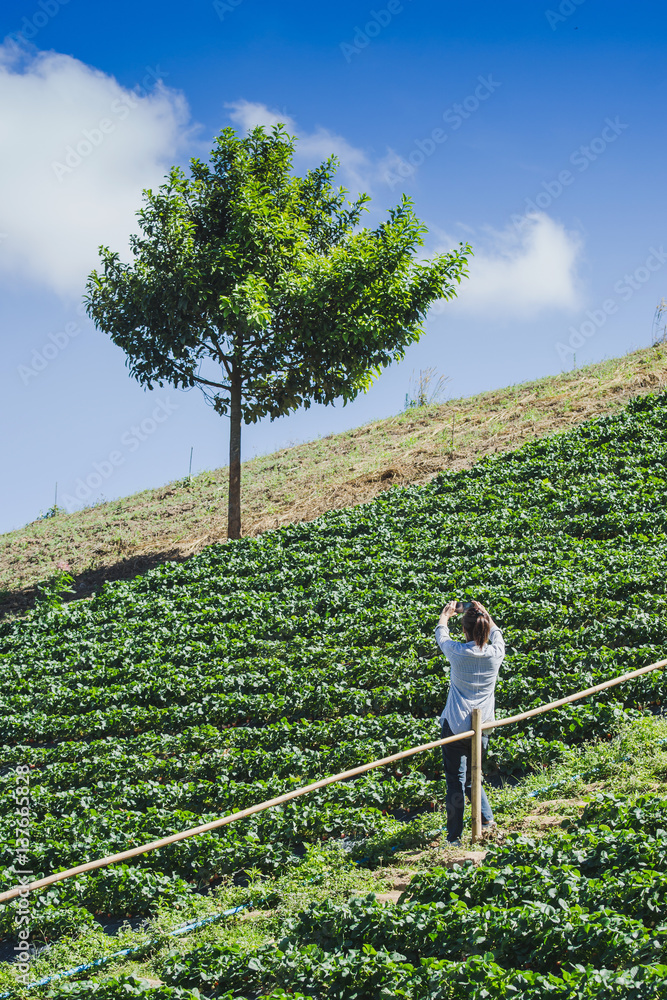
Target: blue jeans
{"x":457,"y":760}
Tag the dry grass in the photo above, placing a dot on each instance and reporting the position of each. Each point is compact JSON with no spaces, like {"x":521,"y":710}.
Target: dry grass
{"x":125,"y":537}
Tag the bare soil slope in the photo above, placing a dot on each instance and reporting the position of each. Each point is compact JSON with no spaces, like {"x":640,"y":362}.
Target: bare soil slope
{"x":125,"y":537}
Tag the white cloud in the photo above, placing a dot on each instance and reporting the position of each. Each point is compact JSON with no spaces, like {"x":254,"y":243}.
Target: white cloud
{"x":249,"y":114}
{"x":357,"y":171}
{"x":520,"y":271}
{"x":394,"y":169}
{"x":79,"y":150}
{"x":515,"y":273}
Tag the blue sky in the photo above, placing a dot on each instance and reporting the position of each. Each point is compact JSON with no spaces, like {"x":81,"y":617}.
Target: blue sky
{"x":533,"y":130}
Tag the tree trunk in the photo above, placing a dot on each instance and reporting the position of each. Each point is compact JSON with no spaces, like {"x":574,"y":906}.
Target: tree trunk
{"x":234,"y":506}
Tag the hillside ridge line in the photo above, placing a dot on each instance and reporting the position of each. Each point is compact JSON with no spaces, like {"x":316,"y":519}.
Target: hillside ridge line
{"x":123,"y":538}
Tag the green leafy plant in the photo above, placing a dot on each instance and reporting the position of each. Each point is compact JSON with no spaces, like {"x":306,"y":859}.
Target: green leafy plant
{"x":205,"y":687}
{"x":50,"y":592}
{"x":268,"y":277}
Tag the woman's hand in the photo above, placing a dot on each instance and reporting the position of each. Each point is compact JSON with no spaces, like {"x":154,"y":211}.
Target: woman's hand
{"x":447,"y":612}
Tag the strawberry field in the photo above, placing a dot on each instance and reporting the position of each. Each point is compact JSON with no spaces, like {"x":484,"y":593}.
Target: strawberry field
{"x":261,"y":665}
{"x":576,"y":920}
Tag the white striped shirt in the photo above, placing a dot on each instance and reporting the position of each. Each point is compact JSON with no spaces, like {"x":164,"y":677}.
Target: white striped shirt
{"x":472,"y":677}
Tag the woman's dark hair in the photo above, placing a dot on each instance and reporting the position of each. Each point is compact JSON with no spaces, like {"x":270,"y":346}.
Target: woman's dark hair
{"x":477,"y":626}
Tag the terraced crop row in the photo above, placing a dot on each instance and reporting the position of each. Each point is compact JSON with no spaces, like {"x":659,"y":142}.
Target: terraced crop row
{"x":577,"y":921}
{"x":203,"y":687}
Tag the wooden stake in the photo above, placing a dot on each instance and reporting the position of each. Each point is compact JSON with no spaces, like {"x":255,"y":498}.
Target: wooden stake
{"x":112,"y":859}
{"x":476,"y":775}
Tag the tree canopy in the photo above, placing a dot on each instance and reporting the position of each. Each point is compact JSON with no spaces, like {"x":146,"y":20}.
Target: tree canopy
{"x":271,"y":277}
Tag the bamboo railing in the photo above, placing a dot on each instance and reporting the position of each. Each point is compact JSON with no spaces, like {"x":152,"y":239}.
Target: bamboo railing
{"x":476,"y":775}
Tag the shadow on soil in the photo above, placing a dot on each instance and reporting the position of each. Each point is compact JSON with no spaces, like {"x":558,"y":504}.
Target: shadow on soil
{"x":14,"y":603}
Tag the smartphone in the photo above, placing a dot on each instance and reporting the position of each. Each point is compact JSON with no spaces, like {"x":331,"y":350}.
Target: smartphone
{"x":462,"y":606}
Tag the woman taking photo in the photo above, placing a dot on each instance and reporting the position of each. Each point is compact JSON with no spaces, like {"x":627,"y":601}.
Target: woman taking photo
{"x":474,"y":666}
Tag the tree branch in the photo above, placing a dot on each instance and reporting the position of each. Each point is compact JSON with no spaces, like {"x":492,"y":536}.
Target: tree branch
{"x":200,"y":380}
{"x":222,"y":358}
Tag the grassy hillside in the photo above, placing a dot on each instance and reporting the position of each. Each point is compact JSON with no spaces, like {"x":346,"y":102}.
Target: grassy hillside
{"x":255,"y":666}
{"x":117,"y":540}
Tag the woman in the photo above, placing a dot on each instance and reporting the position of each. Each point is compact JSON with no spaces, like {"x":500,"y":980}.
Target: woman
{"x":472,"y":680}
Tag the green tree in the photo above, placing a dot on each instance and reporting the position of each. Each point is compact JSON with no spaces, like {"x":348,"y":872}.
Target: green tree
{"x":260,"y":287}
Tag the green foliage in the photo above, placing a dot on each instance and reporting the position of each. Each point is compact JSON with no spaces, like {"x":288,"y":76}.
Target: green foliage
{"x":533,"y":920}
{"x":646,"y":813}
{"x":123,"y":988}
{"x":50,"y":592}
{"x":256,"y":268}
{"x":259,"y":666}
{"x":52,"y":512}
{"x":269,"y":277}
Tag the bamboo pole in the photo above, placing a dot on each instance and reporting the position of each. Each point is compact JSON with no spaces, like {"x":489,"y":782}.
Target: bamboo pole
{"x":575,"y":697}
{"x":113,"y":859}
{"x":476,"y":775}
{"x":233,"y":817}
